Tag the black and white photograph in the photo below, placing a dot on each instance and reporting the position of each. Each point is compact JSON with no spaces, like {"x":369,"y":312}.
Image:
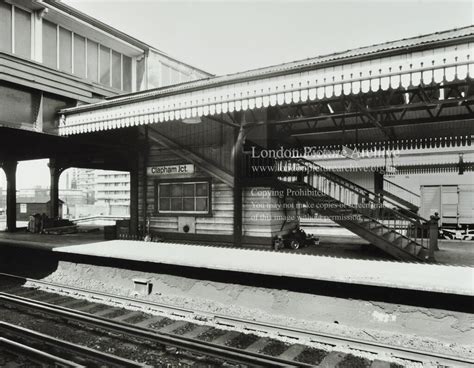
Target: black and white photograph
{"x":236,"y":183}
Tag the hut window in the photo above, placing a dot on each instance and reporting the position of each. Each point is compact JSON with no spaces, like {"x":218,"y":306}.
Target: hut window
{"x":50,"y":44}
{"x":104,"y":65}
{"x":22,"y":33}
{"x":183,"y":197}
{"x":92,"y":57}
{"x":15,"y":30}
{"x":72,"y":53}
{"x":65,"y":50}
{"x":127,"y":73}
{"x":116,"y":70}
{"x":5,"y":27}
{"x":79,"y":56}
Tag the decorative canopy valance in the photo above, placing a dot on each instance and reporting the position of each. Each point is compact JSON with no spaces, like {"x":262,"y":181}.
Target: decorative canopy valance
{"x":310,"y":80}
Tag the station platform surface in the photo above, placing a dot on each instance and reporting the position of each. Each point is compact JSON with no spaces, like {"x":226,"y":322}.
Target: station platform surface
{"x":345,"y":264}
{"x":414,"y":276}
{"x":46,"y":242}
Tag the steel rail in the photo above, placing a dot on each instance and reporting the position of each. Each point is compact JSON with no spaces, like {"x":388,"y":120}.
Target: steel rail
{"x":76,"y":349}
{"x":201,"y":347}
{"x":36,"y":354}
{"x":400,"y":352}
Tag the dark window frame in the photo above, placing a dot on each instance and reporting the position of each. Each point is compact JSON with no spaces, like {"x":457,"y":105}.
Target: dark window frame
{"x":207,"y":180}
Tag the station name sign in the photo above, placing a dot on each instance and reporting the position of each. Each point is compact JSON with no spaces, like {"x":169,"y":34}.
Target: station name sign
{"x":170,"y":170}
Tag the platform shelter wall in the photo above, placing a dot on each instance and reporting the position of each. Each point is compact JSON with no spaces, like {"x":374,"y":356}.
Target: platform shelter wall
{"x":264,"y":212}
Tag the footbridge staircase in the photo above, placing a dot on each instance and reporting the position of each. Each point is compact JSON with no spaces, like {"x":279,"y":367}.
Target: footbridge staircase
{"x":386,"y":223}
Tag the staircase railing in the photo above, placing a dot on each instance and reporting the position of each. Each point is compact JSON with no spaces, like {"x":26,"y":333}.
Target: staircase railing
{"x":366,"y":203}
{"x":401,"y":192}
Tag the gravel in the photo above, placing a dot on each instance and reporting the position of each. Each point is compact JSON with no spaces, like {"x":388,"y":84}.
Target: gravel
{"x":243,"y":341}
{"x":127,"y":347}
{"x":352,"y":361}
{"x":78,"y":304}
{"x":165,"y":321}
{"x":211,"y":334}
{"x":69,"y":274}
{"x":275,"y":348}
{"x":184,"y":329}
{"x":255,"y":309}
{"x":311,"y":356}
{"x":8,"y":359}
{"x":97,"y":308}
{"x":115,"y":313}
{"x":136,"y":318}
{"x":395,"y":365}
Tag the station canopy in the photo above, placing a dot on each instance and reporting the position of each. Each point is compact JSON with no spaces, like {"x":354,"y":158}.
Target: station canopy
{"x":372,"y":90}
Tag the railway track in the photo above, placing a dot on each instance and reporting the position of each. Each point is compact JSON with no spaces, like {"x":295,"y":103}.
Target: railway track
{"x":224,"y":353}
{"x":296,"y":336}
{"x":13,"y":353}
{"x":53,"y":352}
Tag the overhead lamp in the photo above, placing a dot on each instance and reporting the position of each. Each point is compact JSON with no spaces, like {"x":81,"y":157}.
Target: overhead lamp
{"x":461,"y":165}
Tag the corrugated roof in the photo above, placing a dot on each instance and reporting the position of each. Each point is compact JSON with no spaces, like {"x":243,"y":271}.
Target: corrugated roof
{"x":398,"y":46}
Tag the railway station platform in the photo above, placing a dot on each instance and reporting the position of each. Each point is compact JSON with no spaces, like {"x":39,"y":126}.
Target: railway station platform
{"x":48,"y":242}
{"x":413,"y":276}
{"x":449,"y":278}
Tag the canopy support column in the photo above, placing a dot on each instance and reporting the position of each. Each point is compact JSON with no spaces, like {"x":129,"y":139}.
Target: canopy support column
{"x":9,"y":167}
{"x":134,"y":183}
{"x":237,"y":190}
{"x":55,"y":171}
{"x":145,"y":182}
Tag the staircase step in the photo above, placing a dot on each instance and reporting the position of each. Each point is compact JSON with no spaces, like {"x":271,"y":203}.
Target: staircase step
{"x":366,"y":223}
{"x":411,"y":247}
{"x":377,"y":228}
{"x":423,"y":253}
{"x":401,"y":242}
{"x":326,"y":199}
{"x":396,"y":239}
{"x":391,"y":236}
{"x":346,"y":210}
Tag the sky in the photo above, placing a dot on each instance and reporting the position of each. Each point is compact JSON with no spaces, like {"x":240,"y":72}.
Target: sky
{"x":230,"y":36}
{"x":227,"y":36}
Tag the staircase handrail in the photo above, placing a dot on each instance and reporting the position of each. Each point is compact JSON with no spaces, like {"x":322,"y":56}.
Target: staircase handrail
{"x":399,"y":186}
{"x":412,"y":218}
{"x":385,"y":208}
{"x":403,"y":223}
{"x":343,"y":181}
{"x":423,"y":226}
